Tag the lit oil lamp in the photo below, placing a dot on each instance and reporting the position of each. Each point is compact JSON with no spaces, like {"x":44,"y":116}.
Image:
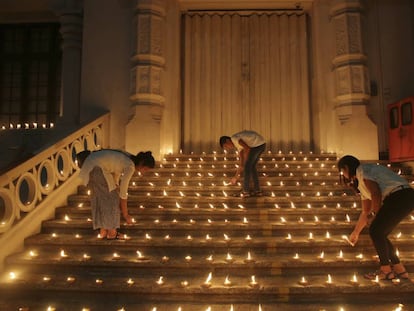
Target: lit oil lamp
{"x":321,"y":256}
{"x":12,"y":275}
{"x":86,"y":256}
{"x":188,"y":258}
{"x":253,"y":283}
{"x":340,"y":256}
{"x":184,"y":283}
{"x":63,"y":254}
{"x":160,"y":281}
{"x":130,"y":282}
{"x":115,"y":256}
{"x":46,"y":279}
{"x":229,"y":258}
{"x":32,"y":254}
{"x":207,"y":282}
{"x":210,"y":258}
{"x":70,"y":279}
{"x":165,"y":259}
{"x":303,"y":281}
{"x":329,"y":280}
{"x":288,"y":237}
{"x":354,"y":280}
{"x":227,"y":281}
{"x":249,"y":258}
{"x":376,"y":280}
{"x":140,"y":256}
{"x":296,"y":257}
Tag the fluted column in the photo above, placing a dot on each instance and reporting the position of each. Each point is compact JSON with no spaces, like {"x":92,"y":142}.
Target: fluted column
{"x":71,"y":20}
{"x":357,"y":133}
{"x":147,"y":68}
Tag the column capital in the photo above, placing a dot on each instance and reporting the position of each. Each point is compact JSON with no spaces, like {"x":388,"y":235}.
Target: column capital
{"x":346,"y":6}
{"x":151,"y":6}
{"x":63,"y":7}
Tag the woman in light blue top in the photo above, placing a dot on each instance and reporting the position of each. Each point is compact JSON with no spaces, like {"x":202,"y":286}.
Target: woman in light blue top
{"x":107,"y":173}
{"x":387,"y":199}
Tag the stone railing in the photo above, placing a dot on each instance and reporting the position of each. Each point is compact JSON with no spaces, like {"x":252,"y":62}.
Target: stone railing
{"x":35,"y":188}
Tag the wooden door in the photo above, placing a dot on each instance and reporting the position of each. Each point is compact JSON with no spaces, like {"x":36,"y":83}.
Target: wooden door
{"x":245,"y":71}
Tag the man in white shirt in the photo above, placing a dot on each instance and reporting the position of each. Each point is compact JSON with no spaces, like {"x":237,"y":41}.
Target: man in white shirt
{"x":250,"y":146}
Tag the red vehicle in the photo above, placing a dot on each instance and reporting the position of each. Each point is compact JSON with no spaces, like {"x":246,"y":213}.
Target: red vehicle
{"x":401,"y":130}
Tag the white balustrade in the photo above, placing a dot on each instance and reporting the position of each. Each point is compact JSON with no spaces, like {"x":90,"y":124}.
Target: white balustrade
{"x":24,"y":187}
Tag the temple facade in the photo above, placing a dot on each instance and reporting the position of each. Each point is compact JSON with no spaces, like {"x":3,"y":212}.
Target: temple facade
{"x":175,"y":75}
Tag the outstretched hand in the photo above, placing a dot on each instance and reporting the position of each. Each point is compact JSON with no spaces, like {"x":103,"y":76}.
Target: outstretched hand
{"x":128,"y":219}
{"x":353,"y":238}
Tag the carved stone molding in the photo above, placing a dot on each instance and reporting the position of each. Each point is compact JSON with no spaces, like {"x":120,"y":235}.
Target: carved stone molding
{"x":148,"y":56}
{"x":146,"y":79}
{"x":70,"y":13}
{"x":349,"y":63}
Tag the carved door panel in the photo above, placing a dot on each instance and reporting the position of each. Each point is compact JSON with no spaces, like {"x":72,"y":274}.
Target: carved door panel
{"x":401,"y":130}
{"x":245,"y":71}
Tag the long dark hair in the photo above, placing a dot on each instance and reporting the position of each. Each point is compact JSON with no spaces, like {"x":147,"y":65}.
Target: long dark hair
{"x":144,"y":159}
{"x":352,"y":163}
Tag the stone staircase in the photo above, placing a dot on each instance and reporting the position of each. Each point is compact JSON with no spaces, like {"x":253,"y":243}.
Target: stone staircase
{"x":195,"y":246}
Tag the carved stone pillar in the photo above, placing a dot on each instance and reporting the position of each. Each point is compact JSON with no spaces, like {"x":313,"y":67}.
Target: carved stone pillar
{"x":147,"y":77}
{"x":357,"y":133}
{"x":71,"y":20}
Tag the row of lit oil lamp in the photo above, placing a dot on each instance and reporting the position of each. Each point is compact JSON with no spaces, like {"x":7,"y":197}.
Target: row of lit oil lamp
{"x":210,"y":206}
{"x":245,"y":221}
{"x":229,"y":258}
{"x":280,"y":152}
{"x":253,"y":282}
{"x":224,"y":194}
{"x":209,"y":308}
{"x":263,"y":174}
{"x":289,"y":238}
{"x":199,"y":184}
{"x":400,"y":307}
{"x":26,"y":126}
{"x":263,"y":166}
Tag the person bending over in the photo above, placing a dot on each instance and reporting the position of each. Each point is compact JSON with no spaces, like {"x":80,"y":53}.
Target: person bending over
{"x":387,"y":199}
{"x":250,"y":146}
{"x":107,"y":173}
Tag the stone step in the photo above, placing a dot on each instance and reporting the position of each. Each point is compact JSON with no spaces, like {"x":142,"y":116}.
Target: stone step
{"x":113,"y":302}
{"x":222,"y":245}
{"x":76,"y":200}
{"x":189,"y":224}
{"x":217,"y":227}
{"x":187,"y":288}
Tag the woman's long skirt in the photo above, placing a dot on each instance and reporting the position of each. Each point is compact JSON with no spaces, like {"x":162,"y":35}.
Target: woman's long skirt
{"x":104,"y":204}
